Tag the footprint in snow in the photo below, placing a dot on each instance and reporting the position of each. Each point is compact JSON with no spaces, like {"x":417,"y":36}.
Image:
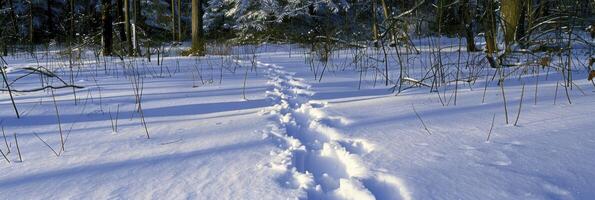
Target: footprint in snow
{"x":556,"y":192}
{"x":356,"y":146}
{"x":422,"y":144}
{"x":502,"y":159}
{"x":466,"y":147}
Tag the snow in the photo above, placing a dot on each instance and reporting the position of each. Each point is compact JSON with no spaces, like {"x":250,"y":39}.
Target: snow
{"x":292,"y":137}
{"x":313,"y":146}
{"x":547,"y":156}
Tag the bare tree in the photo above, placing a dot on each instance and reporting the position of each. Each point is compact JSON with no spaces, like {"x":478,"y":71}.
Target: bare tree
{"x":198,"y":41}
{"x":13,"y":17}
{"x":173,"y":19}
{"x":107,"y":27}
{"x":120,"y":18}
{"x":128,"y":26}
{"x":490,"y":31}
{"x":49,"y":21}
{"x":374,"y":24}
{"x":468,"y":25}
{"x":31,"y":30}
{"x":180,"y":20}
{"x":511,"y":13}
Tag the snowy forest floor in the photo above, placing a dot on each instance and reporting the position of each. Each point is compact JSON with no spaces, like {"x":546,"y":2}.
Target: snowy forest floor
{"x":291,"y":135}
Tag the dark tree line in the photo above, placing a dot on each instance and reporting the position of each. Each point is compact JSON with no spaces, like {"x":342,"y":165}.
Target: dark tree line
{"x":126,"y":26}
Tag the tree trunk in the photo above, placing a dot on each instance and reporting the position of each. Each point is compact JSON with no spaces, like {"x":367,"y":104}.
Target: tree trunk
{"x":4,"y":36}
{"x":129,"y":47}
{"x":521,"y":28}
{"x":468,"y":25}
{"x":173,"y":20}
{"x":138,"y":26}
{"x":14,"y":24}
{"x":72,"y":15}
{"x":198,"y":41}
{"x":544,"y":8}
{"x":392,"y":38}
{"x":95,"y":20}
{"x":588,"y":7}
{"x":31,"y":30}
{"x":139,"y":21}
{"x":511,"y":12}
{"x":13,"y":18}
{"x":49,"y":21}
{"x":107,"y":27}
{"x":490,"y":27}
{"x":374,"y":24}
{"x":120,"y":19}
{"x":137,"y":13}
{"x":180,"y":20}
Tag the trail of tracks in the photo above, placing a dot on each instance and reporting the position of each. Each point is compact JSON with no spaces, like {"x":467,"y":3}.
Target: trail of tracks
{"x":315,"y":157}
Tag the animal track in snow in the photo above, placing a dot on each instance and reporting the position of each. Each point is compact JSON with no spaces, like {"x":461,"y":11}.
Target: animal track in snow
{"x":315,"y":156}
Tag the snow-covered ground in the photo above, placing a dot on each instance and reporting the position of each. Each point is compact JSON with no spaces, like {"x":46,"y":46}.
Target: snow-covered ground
{"x":292,"y":136}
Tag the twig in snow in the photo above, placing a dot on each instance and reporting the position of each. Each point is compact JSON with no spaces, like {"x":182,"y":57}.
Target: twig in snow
{"x":46,"y":144}
{"x":422,"y":121}
{"x":415,"y":81}
{"x":579,"y":88}
{"x":501,"y":82}
{"x":485,"y":88}
{"x":113,"y":120}
{"x":4,"y":155}
{"x":142,"y":117}
{"x":556,"y":92}
{"x":59,"y":122}
{"x":520,"y":105}
{"x":5,"y":77}
{"x":5,"y":141}
{"x":46,"y":87}
{"x":16,"y":142}
{"x":491,"y":127}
